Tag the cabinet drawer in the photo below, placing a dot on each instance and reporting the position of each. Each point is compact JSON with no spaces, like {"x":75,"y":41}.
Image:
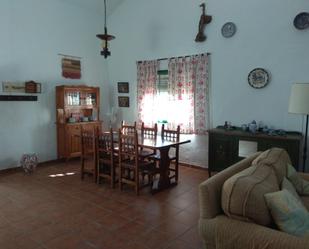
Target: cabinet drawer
{"x":221,"y":152}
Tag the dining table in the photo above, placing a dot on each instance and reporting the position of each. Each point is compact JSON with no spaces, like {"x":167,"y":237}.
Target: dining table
{"x":163,"y":146}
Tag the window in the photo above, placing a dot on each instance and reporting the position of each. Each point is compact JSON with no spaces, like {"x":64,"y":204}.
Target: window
{"x":162,"y":100}
{"x":177,"y":96}
{"x":170,"y":110}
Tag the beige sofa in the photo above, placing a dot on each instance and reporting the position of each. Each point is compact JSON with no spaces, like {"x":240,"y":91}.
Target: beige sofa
{"x":231,"y":224}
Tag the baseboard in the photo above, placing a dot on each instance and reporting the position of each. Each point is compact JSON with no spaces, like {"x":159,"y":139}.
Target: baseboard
{"x":193,"y":166}
{"x":41,"y":164}
{"x":50,"y":162}
{"x":10,"y":170}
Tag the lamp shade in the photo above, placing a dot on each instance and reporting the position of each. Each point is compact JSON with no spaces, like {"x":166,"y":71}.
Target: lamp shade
{"x":299,"y":98}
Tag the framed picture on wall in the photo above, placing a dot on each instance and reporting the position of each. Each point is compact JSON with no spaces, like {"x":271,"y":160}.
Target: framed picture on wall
{"x":123,"y":87}
{"x":123,"y":101}
{"x":15,"y":87}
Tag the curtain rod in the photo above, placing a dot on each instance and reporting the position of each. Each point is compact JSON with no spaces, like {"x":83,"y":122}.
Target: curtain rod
{"x":71,"y":56}
{"x":163,"y":59}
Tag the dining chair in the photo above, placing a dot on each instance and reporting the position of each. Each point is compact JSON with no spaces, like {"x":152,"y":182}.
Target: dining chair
{"x":128,"y":129}
{"x":88,"y":154}
{"x":174,"y":136}
{"x":131,"y":167}
{"x":107,"y":160}
{"x":148,"y":133}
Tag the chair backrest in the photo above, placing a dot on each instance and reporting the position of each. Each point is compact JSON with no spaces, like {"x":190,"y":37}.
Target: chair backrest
{"x":128,"y":129}
{"x":149,"y":132}
{"x":170,"y":135}
{"x":128,"y":146}
{"x":105,"y":145}
{"x":88,"y":143}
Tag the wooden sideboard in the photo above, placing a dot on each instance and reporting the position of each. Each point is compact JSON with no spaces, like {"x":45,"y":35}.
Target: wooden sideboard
{"x":74,"y":105}
{"x":224,"y":146}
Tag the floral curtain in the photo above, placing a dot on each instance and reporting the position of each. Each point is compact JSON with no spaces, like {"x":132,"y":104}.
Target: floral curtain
{"x":146,"y":90}
{"x":181,"y":94}
{"x":188,"y":92}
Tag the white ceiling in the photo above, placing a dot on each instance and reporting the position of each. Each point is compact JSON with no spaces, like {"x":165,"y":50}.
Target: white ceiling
{"x":97,"y":5}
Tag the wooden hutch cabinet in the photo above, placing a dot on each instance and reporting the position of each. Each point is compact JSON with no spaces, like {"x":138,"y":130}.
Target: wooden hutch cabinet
{"x":224,"y":146}
{"x":77,"y":109}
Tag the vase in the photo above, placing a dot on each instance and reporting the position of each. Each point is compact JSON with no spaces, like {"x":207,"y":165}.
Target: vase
{"x":29,"y":162}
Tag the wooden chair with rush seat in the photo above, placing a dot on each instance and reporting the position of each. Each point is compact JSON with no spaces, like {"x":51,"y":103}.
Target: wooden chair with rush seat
{"x":128,"y":129}
{"x":172,"y":135}
{"x":150,"y":133}
{"x":88,"y":154}
{"x":107,"y":159}
{"x":131,"y":167}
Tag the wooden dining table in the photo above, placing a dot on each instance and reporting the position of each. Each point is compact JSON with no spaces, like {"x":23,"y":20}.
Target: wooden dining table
{"x":163,"y":146}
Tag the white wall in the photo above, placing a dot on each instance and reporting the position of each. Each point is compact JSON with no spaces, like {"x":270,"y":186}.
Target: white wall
{"x":33,"y":32}
{"x":265,"y":37}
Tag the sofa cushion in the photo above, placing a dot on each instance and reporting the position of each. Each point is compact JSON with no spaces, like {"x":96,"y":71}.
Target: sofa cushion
{"x":305,"y":201}
{"x":243,"y":194}
{"x":286,"y":184}
{"x":301,"y":185}
{"x":277,"y":159}
{"x":289,"y":213}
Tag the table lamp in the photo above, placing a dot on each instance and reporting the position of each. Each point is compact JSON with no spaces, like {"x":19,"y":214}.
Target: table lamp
{"x":299,"y":104}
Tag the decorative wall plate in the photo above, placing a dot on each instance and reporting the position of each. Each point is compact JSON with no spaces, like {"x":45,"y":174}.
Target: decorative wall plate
{"x":228,"y":29}
{"x":301,"y":21}
{"x":258,"y":78}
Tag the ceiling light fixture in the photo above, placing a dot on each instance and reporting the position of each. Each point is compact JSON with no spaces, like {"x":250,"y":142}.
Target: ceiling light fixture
{"x":105,"y":37}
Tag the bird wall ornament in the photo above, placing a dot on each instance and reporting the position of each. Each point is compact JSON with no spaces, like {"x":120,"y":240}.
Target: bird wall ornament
{"x":204,"y":20}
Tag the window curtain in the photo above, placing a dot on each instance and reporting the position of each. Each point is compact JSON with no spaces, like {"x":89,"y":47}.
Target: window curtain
{"x":188,"y":89}
{"x":146,"y":90}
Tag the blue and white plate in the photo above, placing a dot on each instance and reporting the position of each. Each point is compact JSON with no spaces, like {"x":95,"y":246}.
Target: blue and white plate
{"x":228,"y":29}
{"x":301,"y":21}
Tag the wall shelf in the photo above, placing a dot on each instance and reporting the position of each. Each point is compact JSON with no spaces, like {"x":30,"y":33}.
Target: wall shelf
{"x":18,"y":98}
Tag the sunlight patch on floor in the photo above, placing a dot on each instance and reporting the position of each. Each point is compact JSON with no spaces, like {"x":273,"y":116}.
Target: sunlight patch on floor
{"x":62,"y":174}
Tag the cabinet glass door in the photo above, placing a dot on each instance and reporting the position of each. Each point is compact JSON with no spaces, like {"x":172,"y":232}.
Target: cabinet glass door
{"x":72,"y":98}
{"x":88,"y":99}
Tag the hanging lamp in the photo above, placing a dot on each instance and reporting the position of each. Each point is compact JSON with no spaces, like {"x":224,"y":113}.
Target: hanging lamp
{"x":105,"y":37}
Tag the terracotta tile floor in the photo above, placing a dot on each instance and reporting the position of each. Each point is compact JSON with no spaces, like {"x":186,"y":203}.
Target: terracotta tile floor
{"x":39,"y":211}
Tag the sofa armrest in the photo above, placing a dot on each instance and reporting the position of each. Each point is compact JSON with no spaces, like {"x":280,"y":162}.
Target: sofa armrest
{"x":210,"y":190}
{"x":231,"y":233}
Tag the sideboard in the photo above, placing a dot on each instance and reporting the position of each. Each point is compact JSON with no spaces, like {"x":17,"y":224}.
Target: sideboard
{"x":77,"y":110}
{"x":224,"y":146}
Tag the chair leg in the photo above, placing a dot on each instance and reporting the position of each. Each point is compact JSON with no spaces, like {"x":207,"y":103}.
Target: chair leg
{"x":112,"y":176}
{"x":98,"y":174}
{"x":176,"y":171}
{"x":150,"y":179}
{"x":143,"y":177}
{"x":136,"y":178}
{"x":120,"y":178}
{"x":95,"y":173}
{"x":82,"y":169}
